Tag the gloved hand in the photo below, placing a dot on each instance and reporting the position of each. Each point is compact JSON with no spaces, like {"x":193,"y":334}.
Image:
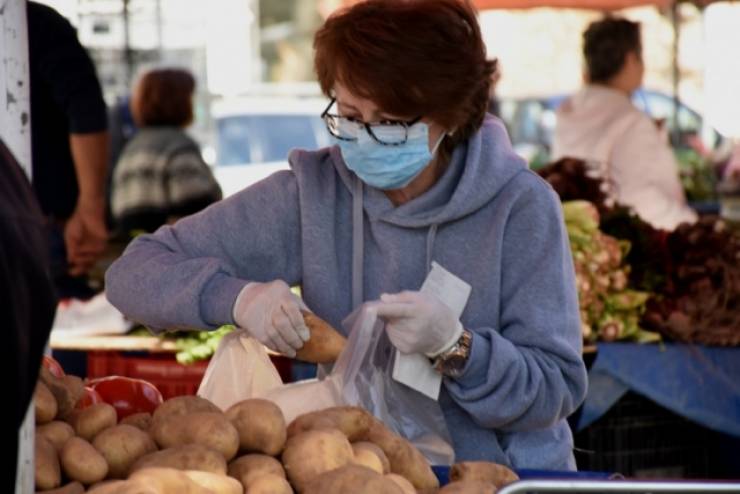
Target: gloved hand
{"x":419,"y":323}
{"x":271,"y":313}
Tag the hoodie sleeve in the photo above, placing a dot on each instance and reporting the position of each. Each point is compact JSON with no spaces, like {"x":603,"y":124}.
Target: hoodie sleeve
{"x":529,"y":373}
{"x":188,"y":275}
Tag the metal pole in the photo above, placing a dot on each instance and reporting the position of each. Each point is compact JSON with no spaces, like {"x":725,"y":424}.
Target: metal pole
{"x":15,"y":104}
{"x":15,"y":132}
{"x":675,"y":68}
{"x":619,"y":486}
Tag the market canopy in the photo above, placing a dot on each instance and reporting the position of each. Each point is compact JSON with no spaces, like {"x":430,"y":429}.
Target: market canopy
{"x":568,"y":4}
{"x":575,"y":4}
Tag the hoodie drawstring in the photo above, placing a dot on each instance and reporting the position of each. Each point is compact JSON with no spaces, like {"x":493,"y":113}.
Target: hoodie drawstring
{"x":431,"y":235}
{"x":357,"y":245}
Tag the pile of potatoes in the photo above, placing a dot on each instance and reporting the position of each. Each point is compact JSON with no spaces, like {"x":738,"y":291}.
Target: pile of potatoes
{"x":189,"y":445}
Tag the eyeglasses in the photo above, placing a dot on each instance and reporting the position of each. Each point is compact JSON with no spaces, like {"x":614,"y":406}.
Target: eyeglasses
{"x":386,"y":132}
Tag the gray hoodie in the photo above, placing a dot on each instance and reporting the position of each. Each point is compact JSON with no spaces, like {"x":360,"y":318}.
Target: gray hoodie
{"x":488,"y":220}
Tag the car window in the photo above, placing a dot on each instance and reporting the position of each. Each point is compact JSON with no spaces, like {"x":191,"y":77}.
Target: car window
{"x":233,"y":141}
{"x":261,"y":138}
{"x":661,"y":106}
{"x":278,"y":134}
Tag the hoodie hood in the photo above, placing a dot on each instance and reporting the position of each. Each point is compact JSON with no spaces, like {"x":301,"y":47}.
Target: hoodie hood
{"x":477,"y":171}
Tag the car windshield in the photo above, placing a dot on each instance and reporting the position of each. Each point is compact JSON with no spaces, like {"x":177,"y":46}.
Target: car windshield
{"x":261,"y":138}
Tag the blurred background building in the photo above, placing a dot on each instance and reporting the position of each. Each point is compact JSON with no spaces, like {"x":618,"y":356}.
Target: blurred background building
{"x":254,"y":47}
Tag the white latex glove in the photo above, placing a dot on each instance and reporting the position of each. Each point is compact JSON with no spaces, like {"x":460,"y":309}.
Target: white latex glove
{"x":271,"y":313}
{"x":419,"y":323}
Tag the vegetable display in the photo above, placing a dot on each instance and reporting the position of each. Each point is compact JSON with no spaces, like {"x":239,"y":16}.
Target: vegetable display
{"x":610,"y":311}
{"x":691,"y":275}
{"x":189,"y":445}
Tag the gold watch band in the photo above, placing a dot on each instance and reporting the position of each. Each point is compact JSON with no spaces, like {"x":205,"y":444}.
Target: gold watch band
{"x":452,"y":362}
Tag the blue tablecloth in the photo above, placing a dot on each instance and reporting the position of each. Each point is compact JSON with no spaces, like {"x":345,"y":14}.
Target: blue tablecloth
{"x":443,"y":474}
{"x":696,"y":382}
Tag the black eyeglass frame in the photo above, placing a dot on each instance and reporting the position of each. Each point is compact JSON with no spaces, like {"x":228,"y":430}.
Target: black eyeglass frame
{"x":368,"y":126}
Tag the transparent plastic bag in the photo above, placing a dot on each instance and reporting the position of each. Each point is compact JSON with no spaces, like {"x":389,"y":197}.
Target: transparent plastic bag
{"x":362,"y":376}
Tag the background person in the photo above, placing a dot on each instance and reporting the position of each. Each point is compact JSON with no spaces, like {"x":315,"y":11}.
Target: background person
{"x":28,"y":300}
{"x":601,"y":124}
{"x":160,"y":175}
{"x":69,"y":142}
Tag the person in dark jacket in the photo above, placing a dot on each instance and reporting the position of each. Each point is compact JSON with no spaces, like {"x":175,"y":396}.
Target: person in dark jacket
{"x":69,"y":141}
{"x":28,"y":302}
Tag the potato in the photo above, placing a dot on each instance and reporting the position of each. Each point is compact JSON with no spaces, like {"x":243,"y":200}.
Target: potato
{"x":371,"y":456}
{"x":207,"y":428}
{"x":90,"y":421}
{"x":498,"y":475}
{"x":325,"y":344}
{"x":248,"y":467}
{"x":188,"y":457}
{"x":167,"y":481}
{"x":108,"y":487}
{"x":352,"y":478}
{"x":45,"y":405}
{"x":404,"y":458}
{"x":121,"y":446}
{"x":141,"y":420}
{"x":82,"y":462}
{"x":354,"y":422}
{"x":270,"y":484}
{"x":218,"y":484}
{"x":67,"y":390}
{"x":401,"y":482}
{"x":261,"y":426}
{"x":57,"y":432}
{"x":468,"y":487}
{"x":182,"y":405}
{"x":312,"y":453}
{"x":48,"y":473}
{"x":122,"y":487}
{"x":71,"y":488}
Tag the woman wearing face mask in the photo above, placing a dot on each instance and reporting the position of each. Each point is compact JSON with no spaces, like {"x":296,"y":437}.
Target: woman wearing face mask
{"x":418,"y":174}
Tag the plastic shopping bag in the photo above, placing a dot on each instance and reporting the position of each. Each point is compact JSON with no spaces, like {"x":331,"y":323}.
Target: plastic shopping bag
{"x":240,"y":369}
{"x":363,"y":377}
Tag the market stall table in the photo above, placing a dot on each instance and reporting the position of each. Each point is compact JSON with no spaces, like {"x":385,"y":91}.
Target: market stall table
{"x":696,"y":387}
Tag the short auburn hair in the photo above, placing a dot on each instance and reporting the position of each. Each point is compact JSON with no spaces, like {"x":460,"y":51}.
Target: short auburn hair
{"x":606,"y":44}
{"x":411,"y":58}
{"x":163,"y":97}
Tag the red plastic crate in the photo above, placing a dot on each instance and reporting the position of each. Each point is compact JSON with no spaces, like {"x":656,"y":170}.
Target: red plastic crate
{"x":161,"y":369}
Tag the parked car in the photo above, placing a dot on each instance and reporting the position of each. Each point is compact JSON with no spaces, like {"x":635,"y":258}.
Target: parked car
{"x":255,"y":134}
{"x":531,"y":122}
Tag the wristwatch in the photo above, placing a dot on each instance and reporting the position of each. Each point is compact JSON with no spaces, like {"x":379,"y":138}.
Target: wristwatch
{"x":452,"y":362}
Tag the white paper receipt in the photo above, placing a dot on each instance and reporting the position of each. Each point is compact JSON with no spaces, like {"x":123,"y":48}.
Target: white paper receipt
{"x":415,"y":370}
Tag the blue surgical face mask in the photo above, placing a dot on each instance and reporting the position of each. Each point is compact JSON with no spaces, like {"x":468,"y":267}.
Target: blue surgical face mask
{"x":389,"y":167}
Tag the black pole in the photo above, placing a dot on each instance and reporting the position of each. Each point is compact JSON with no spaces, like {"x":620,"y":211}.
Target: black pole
{"x":128,"y":53}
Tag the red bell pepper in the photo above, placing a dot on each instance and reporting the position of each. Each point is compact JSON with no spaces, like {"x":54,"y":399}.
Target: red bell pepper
{"x":90,"y":397}
{"x":127,"y":395}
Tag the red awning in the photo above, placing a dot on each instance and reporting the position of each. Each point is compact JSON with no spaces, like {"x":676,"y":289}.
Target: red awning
{"x":575,"y":4}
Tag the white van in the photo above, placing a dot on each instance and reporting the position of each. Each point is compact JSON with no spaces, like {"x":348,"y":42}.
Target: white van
{"x":254,"y":135}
